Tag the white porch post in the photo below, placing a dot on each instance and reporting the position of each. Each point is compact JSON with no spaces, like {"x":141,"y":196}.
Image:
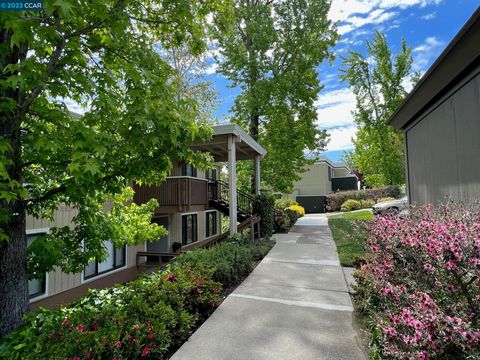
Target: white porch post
{"x":257,"y":174}
{"x":232,"y":183}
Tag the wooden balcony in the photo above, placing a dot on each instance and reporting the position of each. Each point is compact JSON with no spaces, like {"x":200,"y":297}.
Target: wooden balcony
{"x":176,"y":194}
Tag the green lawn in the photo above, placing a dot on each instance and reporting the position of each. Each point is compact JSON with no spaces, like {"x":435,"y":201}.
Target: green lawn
{"x":350,"y":240}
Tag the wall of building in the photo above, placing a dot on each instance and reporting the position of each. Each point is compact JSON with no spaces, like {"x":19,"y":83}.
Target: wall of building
{"x":58,"y":281}
{"x":443,"y":148}
{"x":341,"y":172}
{"x":314,"y":181}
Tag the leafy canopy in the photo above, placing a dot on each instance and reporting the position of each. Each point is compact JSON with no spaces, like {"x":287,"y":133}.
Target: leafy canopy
{"x":378,"y":80}
{"x":271,"y":54}
{"x":104,"y":56}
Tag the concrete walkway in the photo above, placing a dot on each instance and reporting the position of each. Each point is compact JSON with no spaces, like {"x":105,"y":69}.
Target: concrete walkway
{"x":294,"y":305}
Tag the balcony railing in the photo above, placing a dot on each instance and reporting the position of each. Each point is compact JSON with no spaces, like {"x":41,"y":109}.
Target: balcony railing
{"x":180,"y":193}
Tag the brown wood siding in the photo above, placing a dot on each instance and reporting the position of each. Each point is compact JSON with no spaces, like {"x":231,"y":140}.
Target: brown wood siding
{"x":175,"y":194}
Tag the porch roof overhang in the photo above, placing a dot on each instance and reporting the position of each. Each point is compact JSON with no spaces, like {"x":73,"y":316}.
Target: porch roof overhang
{"x":246,"y":147}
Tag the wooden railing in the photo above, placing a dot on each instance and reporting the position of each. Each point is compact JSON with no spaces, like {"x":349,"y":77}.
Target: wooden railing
{"x":252,"y":223}
{"x":175,"y":194}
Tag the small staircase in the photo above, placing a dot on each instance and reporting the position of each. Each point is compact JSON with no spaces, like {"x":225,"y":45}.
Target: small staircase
{"x":219,"y":200}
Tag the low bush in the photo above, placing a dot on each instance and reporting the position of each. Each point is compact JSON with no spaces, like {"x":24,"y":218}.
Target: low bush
{"x":367,"y":204}
{"x":282,"y":204}
{"x":147,"y":318}
{"x":282,"y":221}
{"x":420,"y":287}
{"x":350,"y":205}
{"x":298,"y":209}
{"x":335,"y":200}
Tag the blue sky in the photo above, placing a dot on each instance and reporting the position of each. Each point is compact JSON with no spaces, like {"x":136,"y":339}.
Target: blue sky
{"x":427,"y":26}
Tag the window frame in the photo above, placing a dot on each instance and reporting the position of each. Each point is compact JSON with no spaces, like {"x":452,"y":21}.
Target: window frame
{"x":190,"y":167}
{"x":42,"y":294}
{"x":211,"y":174}
{"x":194,"y":229}
{"x":115,"y":266}
{"x":207,"y":223}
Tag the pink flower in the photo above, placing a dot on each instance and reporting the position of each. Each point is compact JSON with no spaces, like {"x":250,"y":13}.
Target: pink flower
{"x":170,"y":277}
{"x":450,"y":265}
{"x":118,"y":344}
{"x":76,"y":357}
{"x":136,"y":327}
{"x":145,"y":351}
{"x":80,"y":328}
{"x":390,"y":331}
{"x":428,"y":267}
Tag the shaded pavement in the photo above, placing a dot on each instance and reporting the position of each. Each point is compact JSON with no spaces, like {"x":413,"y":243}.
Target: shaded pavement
{"x":294,"y":305}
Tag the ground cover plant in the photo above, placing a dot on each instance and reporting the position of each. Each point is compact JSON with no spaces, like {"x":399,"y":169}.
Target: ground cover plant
{"x":420,"y":289}
{"x":148,"y":318}
{"x":350,"y":236}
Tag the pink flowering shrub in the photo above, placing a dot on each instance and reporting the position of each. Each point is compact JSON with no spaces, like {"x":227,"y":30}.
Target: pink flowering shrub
{"x":421,"y":285}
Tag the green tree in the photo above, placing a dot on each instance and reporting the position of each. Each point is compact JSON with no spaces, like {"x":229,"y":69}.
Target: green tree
{"x":378,"y":81}
{"x":104,"y":56}
{"x":271,"y":54}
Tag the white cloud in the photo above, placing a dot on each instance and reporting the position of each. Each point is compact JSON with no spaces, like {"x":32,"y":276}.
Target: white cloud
{"x":334,"y":108}
{"x":341,"y":138}
{"x":353,"y":14}
{"x":429,"y":16}
{"x":425,"y":52}
{"x":211,"y":69}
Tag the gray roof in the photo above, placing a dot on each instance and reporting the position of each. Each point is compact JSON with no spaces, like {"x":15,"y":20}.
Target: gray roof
{"x":236,"y":130}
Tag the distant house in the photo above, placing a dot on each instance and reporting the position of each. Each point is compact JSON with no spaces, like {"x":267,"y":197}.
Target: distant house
{"x":441,"y":121}
{"x":322,"y":178}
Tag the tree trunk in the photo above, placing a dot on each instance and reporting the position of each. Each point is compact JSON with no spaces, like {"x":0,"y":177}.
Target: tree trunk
{"x":14,"y":301}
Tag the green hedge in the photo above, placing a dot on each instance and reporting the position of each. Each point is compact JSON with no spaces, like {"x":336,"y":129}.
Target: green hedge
{"x":264,"y":206}
{"x":335,"y":200}
{"x":147,"y":318}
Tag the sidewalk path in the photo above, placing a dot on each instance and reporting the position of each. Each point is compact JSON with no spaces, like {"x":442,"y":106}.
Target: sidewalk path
{"x":294,"y":305}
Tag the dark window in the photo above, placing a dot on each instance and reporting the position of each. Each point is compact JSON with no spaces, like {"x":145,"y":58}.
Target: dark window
{"x":189,"y":170}
{"x":189,"y":229}
{"x":330,"y":170}
{"x":36,"y":287}
{"x":211,"y":223}
{"x":211,"y":174}
{"x":114,"y":260}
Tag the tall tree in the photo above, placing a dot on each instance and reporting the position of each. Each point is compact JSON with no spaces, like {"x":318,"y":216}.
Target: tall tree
{"x":271,"y":54}
{"x":378,"y":80}
{"x":101,"y":54}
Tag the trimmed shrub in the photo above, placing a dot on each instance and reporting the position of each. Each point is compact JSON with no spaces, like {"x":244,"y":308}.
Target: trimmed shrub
{"x":420,"y":287}
{"x":335,"y":200}
{"x":282,"y":204}
{"x":366,"y":204}
{"x":350,"y":205}
{"x":264,"y":206}
{"x":282,"y":221}
{"x":147,"y":318}
{"x":298,"y":209}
